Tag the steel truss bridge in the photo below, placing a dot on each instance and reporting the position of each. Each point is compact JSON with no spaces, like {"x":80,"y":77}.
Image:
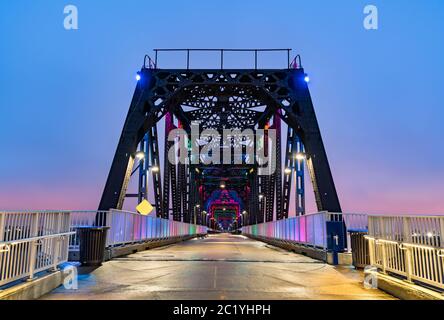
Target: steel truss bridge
{"x":196,"y":195}
{"x":234,"y":193}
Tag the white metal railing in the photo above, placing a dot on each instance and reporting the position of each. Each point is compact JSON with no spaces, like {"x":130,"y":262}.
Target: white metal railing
{"x":422,"y":230}
{"x":409,"y":246}
{"x":31,"y":242}
{"x":356,"y":221}
{"x":129,"y":227}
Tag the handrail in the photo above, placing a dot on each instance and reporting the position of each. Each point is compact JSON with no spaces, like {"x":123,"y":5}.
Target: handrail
{"x":309,"y":230}
{"x":15,"y":242}
{"x":130,"y":227}
{"x":32,"y":241}
{"x":409,"y":246}
{"x":221,"y":51}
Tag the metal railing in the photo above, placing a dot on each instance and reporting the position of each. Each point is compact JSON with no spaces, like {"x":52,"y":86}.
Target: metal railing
{"x":408,"y":246}
{"x":32,"y":242}
{"x":309,"y":230}
{"x":294,"y":64}
{"x":356,"y":221}
{"x":129,"y":227}
{"x":82,"y":219}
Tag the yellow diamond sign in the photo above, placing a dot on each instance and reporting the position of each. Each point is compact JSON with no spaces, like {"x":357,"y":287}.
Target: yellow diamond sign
{"x":144,"y":208}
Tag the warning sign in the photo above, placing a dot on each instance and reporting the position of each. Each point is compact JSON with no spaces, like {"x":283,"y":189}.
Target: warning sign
{"x":144,"y":208}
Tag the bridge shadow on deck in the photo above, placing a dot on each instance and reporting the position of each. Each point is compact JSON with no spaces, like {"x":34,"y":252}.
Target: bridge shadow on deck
{"x":221,"y":266}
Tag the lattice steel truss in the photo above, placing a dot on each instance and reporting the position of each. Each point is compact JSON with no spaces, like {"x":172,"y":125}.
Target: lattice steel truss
{"x":223,"y":99}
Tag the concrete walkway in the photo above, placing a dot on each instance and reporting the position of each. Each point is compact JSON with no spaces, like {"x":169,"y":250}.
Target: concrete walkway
{"x":219,"y":267}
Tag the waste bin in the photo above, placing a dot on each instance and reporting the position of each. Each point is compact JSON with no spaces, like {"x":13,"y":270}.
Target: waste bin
{"x":359,"y":246}
{"x":92,"y":245}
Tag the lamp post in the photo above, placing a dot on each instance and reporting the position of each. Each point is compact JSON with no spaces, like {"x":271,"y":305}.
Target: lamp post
{"x":204,"y":218}
{"x":264,"y":198}
{"x":244,"y":218}
{"x":197,"y":206}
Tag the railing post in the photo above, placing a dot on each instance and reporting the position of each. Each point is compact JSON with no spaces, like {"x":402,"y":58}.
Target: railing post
{"x":408,"y":263}
{"x":371,"y":251}
{"x":57,"y":240}
{"x":406,"y":230}
{"x":188,"y":59}
{"x":288,"y":58}
{"x":2,"y":225}
{"x":221,"y":59}
{"x":381,"y":229}
{"x":109,"y":223}
{"x":349,"y":249}
{"x":2,"y":233}
{"x":384,"y":256}
{"x":155,"y":58}
{"x":324,"y":229}
{"x":124,"y":226}
{"x":33,"y":245}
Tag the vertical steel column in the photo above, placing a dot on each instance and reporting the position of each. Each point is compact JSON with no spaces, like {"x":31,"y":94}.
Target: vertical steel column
{"x":157,"y":184}
{"x":256,"y":214}
{"x":193,"y":196}
{"x":268,"y":181}
{"x":300,"y":184}
{"x":182,"y":181}
{"x":182,"y":195}
{"x":289,"y":165}
{"x":170,"y":178}
{"x":166,"y":169}
{"x":262,"y":191}
{"x":278,"y":171}
{"x":144,"y":170}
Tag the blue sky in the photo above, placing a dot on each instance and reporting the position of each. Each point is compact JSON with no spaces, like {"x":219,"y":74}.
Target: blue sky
{"x":378,"y":94}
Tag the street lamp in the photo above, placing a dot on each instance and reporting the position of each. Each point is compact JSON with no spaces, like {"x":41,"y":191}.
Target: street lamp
{"x":197,"y":206}
{"x":204,"y":218}
{"x":287,"y":171}
{"x":262,"y":197}
{"x":300,"y":156}
{"x":244,"y":219}
{"x":140,"y":155}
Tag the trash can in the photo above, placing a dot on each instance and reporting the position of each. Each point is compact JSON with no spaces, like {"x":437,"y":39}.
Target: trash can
{"x":359,"y":246}
{"x":92,"y":245}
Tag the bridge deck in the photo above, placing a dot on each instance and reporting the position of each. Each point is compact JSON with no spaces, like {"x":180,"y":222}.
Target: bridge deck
{"x":219,"y":267}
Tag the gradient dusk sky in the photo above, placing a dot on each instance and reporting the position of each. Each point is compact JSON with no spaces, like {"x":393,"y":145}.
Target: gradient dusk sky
{"x":378,"y":94}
